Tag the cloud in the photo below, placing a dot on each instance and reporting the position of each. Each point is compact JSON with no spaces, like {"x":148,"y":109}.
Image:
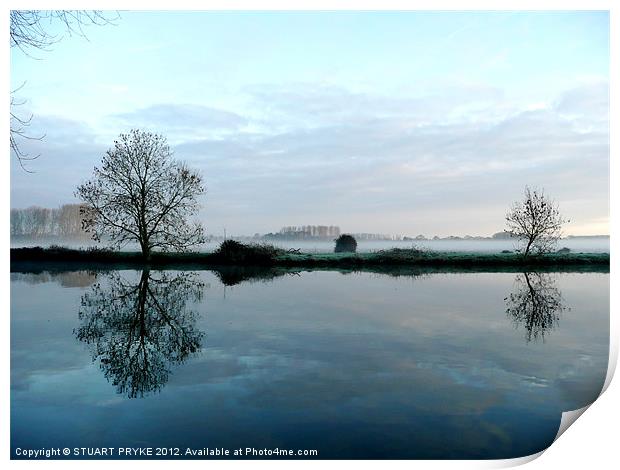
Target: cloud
{"x":310,"y":105}
{"x":182,"y":121}
{"x":457,"y":174}
{"x":587,"y":105}
{"x":67,"y":154}
{"x":447,"y":164}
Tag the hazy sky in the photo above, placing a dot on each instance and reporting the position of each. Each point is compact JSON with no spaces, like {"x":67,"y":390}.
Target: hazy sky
{"x":392,"y":122}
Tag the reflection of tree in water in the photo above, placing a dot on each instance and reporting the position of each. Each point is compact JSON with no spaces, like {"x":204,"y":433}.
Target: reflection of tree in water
{"x":138,"y":330}
{"x":535,"y":303}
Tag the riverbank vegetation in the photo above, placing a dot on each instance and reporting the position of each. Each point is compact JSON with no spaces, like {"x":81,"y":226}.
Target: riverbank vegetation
{"x":232,"y":253}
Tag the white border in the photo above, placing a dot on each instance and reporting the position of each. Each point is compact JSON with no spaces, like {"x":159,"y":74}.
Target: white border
{"x":592,"y":442}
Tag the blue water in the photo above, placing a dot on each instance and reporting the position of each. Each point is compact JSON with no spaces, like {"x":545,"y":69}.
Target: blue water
{"x":351,"y":365}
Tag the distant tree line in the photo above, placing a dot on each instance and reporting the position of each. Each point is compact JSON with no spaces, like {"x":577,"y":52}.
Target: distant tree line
{"x":331,"y":232}
{"x":42,"y":222}
{"x":377,"y":236}
{"x":305,"y":231}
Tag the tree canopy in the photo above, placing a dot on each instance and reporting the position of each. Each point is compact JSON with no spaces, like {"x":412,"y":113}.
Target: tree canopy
{"x":140,"y":194}
{"x":345,"y":243}
{"x":536,"y":222}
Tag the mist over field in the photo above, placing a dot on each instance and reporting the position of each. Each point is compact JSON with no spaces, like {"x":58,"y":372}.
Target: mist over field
{"x":586,"y":245}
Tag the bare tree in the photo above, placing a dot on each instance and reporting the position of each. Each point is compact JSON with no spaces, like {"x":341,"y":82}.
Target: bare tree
{"x":33,"y":222}
{"x":536,"y":222}
{"x":36,"y":222}
{"x":140,"y":194}
{"x":29,"y":32}
{"x":17,"y":222}
{"x":69,"y":220}
{"x":19,"y":126}
{"x":30,"y":29}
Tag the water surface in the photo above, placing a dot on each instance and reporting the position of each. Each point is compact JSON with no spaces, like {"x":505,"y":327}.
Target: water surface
{"x":476,"y":365}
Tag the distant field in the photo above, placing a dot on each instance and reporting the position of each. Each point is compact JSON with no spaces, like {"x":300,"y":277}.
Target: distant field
{"x":578,"y":245}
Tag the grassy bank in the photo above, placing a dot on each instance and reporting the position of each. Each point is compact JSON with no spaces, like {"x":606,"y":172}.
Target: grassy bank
{"x":237,"y":254}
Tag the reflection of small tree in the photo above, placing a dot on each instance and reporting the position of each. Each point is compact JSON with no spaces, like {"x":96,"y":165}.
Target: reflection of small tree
{"x":536,"y":221}
{"x":136,"y":331}
{"x":535,"y":303}
{"x":345,"y":243}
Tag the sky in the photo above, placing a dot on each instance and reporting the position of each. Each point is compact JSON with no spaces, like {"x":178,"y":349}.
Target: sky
{"x":386,"y":122}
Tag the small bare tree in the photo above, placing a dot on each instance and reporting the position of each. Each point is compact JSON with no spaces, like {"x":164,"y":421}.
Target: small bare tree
{"x":536,"y":222}
{"x":141,"y":194}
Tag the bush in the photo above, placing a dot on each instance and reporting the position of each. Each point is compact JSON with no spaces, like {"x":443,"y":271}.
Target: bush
{"x":345,"y":244}
{"x":232,"y":251}
{"x":99,"y":249}
{"x":400,"y":255}
{"x":58,"y":248}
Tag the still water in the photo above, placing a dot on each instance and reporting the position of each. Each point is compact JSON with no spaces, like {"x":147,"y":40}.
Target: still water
{"x":363,"y":365}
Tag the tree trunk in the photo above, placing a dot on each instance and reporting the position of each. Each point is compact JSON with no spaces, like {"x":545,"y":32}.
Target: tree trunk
{"x":527,"y":248}
{"x":146,"y":251}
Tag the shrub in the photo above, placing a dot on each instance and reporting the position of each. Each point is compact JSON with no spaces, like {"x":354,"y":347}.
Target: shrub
{"x":232,"y":251}
{"x":345,"y":244}
{"x":58,"y":248}
{"x":99,"y":249}
{"x":400,"y":255}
